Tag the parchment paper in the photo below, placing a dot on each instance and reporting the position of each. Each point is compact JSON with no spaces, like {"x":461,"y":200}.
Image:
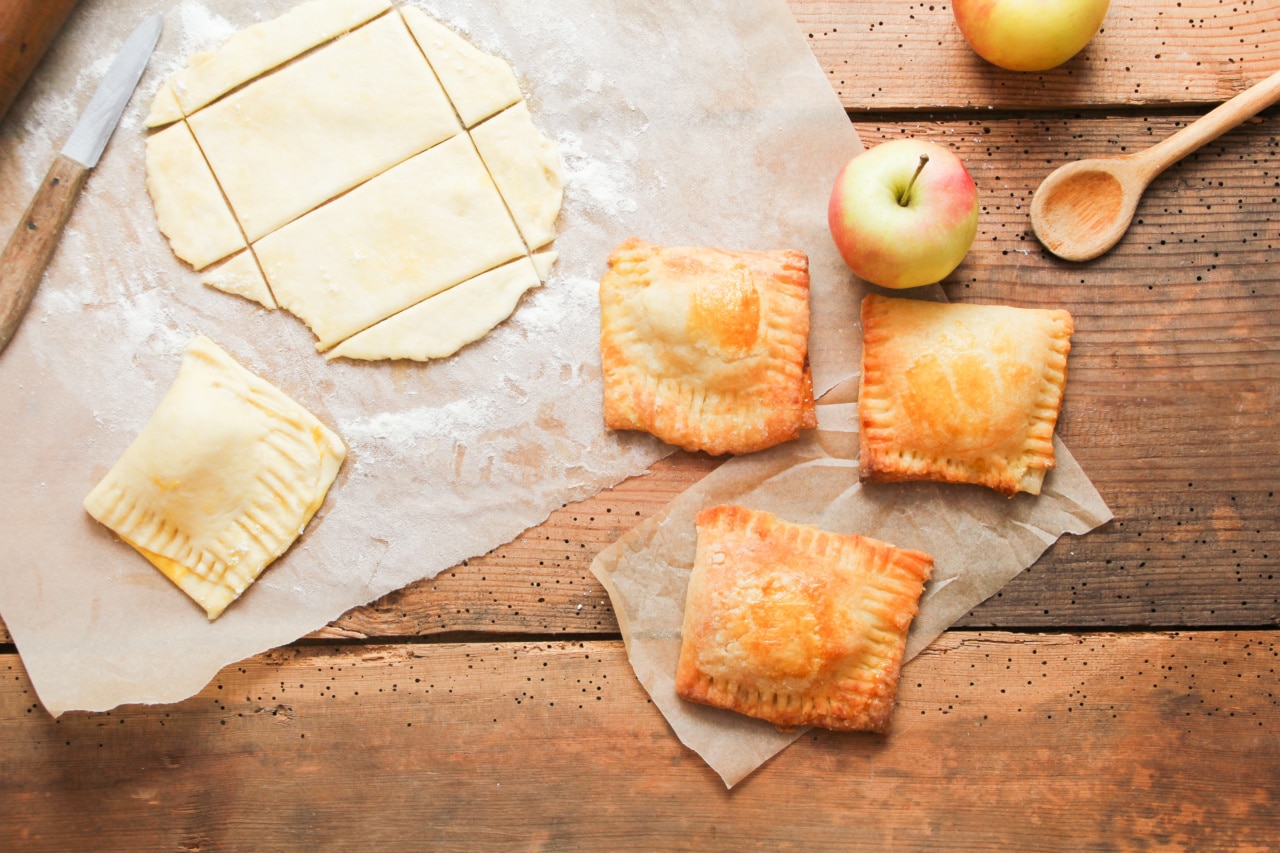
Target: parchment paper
{"x":979,"y":540}
{"x":704,"y":123}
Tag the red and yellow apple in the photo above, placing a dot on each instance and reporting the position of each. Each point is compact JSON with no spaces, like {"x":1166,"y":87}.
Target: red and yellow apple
{"x":1028,"y":35}
{"x":904,"y":213}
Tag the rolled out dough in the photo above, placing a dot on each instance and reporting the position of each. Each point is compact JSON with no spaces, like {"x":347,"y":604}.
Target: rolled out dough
{"x":526,"y":168}
{"x":424,"y":226}
{"x":445,"y":323}
{"x":165,"y":108}
{"x":189,"y":206}
{"x":262,"y":47}
{"x":287,"y":143}
{"x":478,"y":84}
{"x":333,"y":139}
{"x":543,"y":261}
{"x":242,"y":277}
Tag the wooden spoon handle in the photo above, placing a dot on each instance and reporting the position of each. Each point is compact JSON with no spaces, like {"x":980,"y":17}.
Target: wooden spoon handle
{"x":32,"y":244}
{"x":1210,"y":126}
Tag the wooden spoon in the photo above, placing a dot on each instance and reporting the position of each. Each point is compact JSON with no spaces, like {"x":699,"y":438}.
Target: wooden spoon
{"x":1083,"y":208}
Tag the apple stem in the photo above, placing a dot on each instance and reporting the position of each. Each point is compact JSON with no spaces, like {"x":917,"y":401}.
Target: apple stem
{"x":906,"y":194}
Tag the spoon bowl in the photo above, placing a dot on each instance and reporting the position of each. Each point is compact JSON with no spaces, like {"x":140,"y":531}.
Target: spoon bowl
{"x":1083,"y":208}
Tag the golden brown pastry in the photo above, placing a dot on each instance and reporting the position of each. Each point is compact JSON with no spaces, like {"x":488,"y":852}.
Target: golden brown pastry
{"x":707,"y":348}
{"x":961,"y":393}
{"x":795,"y":625}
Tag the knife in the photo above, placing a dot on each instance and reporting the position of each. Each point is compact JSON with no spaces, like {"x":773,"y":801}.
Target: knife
{"x":32,"y":244}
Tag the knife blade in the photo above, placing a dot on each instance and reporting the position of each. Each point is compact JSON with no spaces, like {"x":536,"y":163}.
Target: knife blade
{"x":30,"y":248}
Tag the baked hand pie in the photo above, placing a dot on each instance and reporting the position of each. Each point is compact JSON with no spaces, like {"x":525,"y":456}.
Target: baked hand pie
{"x":795,"y":625}
{"x":961,"y":393}
{"x":221,"y":480}
{"x":707,"y":348}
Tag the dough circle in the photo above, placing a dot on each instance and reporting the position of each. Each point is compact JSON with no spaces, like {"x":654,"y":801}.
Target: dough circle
{"x":353,"y":162}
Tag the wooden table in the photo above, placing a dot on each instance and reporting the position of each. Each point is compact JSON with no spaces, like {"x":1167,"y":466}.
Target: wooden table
{"x":1121,"y":693}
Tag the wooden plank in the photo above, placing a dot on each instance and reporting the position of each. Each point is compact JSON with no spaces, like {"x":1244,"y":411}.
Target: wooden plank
{"x":905,"y":56}
{"x":1000,"y":741}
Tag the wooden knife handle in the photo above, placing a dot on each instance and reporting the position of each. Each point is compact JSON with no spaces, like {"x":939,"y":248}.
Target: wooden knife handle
{"x":27,"y":28}
{"x":34,"y":240}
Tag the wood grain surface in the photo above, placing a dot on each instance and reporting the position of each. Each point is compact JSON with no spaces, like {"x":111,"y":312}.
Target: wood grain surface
{"x":1149,"y":53}
{"x":1000,"y":742}
{"x":492,"y":707}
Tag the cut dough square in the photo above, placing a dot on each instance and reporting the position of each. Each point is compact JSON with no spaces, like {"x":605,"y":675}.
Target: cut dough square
{"x":795,"y":625}
{"x":526,"y":167}
{"x":961,"y":393}
{"x":241,"y":276}
{"x":478,"y":84}
{"x":221,"y":480}
{"x":288,"y":142}
{"x":408,"y":234}
{"x":190,"y":209}
{"x":262,"y":47}
{"x":440,"y":326}
{"x":707,"y":348}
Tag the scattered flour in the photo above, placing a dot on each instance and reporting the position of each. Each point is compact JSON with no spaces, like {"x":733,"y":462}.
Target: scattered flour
{"x":593,"y":182}
{"x":460,"y":419}
{"x":544,"y":311}
{"x":201,"y":28}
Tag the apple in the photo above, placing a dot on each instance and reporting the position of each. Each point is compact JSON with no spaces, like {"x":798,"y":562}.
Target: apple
{"x":904,"y":213}
{"x":1028,"y":35}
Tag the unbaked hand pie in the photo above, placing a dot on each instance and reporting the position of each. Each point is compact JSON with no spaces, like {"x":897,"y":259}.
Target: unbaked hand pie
{"x":707,"y":348}
{"x":356,"y":161}
{"x":221,"y":480}
{"x":796,"y":625}
{"x":961,"y":393}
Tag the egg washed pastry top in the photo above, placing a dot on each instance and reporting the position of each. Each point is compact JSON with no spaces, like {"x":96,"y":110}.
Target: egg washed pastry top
{"x":221,"y":480}
{"x":961,"y":393}
{"x":707,"y":348}
{"x":796,"y":625}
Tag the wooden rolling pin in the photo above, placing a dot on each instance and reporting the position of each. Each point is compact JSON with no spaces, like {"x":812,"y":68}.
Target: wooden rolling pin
{"x":27,"y":28}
